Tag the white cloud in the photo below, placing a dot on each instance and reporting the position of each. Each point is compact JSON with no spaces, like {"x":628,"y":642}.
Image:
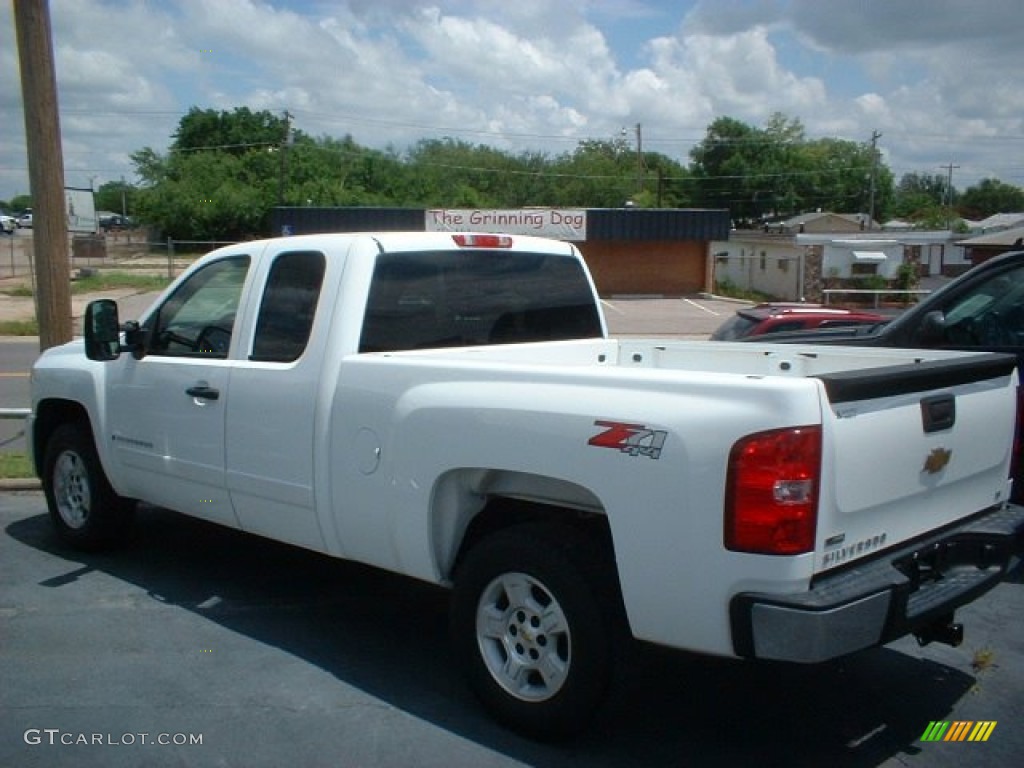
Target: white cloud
{"x":940,"y":86}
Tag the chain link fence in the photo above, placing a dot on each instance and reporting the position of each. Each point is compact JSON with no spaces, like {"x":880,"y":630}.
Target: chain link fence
{"x":125,"y":250}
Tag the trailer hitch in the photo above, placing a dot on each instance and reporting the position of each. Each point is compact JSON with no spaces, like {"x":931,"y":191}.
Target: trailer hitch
{"x":942,"y":630}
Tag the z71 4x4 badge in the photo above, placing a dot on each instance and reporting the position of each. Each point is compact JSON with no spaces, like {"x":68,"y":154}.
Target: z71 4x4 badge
{"x":633,"y":439}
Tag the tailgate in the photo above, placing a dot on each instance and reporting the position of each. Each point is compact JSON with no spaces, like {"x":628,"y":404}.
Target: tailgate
{"x":911,"y":449}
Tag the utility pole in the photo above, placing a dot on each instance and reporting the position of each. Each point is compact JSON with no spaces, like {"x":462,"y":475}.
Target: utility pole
{"x":639,"y":159}
{"x":45,"y":171}
{"x":875,"y":136}
{"x":949,"y":194}
{"x":285,"y":143}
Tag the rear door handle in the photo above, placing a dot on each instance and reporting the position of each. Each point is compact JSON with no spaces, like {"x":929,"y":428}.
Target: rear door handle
{"x":204,"y":392}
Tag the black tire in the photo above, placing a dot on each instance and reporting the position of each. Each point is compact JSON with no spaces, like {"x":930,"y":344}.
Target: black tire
{"x":534,"y":625}
{"x":85,"y":510}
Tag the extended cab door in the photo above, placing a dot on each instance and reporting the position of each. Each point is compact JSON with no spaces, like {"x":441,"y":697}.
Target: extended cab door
{"x":272,"y":403}
{"x":166,"y":411}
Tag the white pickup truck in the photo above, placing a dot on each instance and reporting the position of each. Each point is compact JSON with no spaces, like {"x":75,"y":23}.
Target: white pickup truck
{"x":449,"y":407}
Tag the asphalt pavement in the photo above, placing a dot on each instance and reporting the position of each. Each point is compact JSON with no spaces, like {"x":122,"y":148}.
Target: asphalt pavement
{"x":238,"y":651}
{"x":200,"y":646}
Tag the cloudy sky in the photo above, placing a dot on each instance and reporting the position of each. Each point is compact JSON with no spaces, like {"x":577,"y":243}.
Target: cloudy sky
{"x":940,"y":80}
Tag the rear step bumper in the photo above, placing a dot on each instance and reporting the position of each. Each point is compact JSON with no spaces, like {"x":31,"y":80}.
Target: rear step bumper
{"x":909,"y":590}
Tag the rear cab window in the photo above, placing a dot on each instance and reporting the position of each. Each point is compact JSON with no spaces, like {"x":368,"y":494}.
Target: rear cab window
{"x":470,"y":298}
{"x":736,"y":327}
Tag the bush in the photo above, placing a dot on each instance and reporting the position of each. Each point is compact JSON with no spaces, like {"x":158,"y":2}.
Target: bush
{"x":730,"y":289}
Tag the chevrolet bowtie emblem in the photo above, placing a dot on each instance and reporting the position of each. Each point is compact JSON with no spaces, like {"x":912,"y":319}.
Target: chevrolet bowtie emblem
{"x":937,"y":460}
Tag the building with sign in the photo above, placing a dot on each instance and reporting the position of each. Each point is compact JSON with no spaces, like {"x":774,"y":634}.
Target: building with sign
{"x":630,"y":251}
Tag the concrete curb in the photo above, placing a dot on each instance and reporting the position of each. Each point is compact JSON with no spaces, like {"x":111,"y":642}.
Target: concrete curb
{"x":728,"y":299}
{"x":20,"y":484}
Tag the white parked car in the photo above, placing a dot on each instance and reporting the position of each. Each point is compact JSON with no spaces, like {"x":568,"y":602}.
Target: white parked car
{"x":8,"y":224}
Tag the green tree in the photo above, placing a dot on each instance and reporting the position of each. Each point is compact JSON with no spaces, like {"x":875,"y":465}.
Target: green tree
{"x":991,"y":196}
{"x":724,"y":167}
{"x":597,"y":174}
{"x":776,"y":171}
{"x":236,"y":132}
{"x":838,"y":178}
{"x":452,"y":173}
{"x":923,"y":199}
{"x":21,"y":202}
{"x":116,"y":196}
{"x":221,"y":177}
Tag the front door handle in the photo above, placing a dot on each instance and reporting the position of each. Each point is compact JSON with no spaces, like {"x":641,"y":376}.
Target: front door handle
{"x":204,"y":392}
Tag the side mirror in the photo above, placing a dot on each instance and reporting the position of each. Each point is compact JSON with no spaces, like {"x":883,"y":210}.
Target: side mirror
{"x":933,"y":328}
{"x":102,"y":330}
{"x":103,"y":333}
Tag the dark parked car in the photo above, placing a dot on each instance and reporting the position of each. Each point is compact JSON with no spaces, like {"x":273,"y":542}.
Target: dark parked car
{"x":982,"y":309}
{"x":110,"y":221}
{"x":781,"y":318}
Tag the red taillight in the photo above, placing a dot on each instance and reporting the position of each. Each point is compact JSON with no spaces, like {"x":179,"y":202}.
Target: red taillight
{"x":483,"y":241}
{"x":771,"y":495}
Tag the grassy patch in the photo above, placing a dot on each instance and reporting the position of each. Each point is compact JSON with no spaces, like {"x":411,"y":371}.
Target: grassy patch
{"x":105,"y":281}
{"x":19,"y":328}
{"x":15,"y":465}
{"x":732,"y":291}
{"x":101,"y":281}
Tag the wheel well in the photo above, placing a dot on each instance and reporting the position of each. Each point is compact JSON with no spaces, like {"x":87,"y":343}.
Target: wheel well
{"x":502,"y":512}
{"x":50,"y":414}
{"x":586,"y":533}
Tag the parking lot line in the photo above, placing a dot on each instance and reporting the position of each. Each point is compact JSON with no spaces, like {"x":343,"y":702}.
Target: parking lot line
{"x":701,"y":307}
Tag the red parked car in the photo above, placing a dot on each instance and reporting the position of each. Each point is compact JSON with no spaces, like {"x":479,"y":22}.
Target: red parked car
{"x":781,"y":317}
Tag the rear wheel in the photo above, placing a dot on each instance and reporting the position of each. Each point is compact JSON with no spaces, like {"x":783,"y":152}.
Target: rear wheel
{"x":85,"y":510}
{"x":534,"y":628}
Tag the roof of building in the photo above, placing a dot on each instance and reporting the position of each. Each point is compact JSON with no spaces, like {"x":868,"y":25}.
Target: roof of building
{"x":639,"y":224}
{"x":997,"y":221}
{"x":1005,"y":237}
{"x":795,"y":222}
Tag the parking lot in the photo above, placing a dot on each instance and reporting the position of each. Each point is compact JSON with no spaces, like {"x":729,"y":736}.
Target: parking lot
{"x":198,"y":646}
{"x":237,"y":651}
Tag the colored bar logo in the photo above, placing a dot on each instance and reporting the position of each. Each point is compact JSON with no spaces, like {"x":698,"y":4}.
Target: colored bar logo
{"x":959,"y":730}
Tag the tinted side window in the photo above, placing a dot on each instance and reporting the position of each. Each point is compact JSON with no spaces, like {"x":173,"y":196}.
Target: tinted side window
{"x":288,"y":307}
{"x":467,"y":298}
{"x":845,"y":323}
{"x":786,"y":325}
{"x":197,"y":320}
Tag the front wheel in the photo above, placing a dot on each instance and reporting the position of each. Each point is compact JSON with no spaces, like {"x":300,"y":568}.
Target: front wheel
{"x":533,"y":628}
{"x":85,"y":510}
